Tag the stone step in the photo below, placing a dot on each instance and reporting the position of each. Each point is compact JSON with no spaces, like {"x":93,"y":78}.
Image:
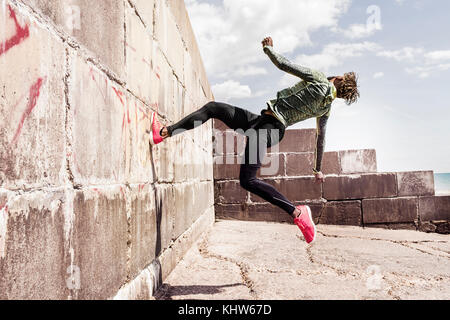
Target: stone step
{"x":434,"y":208}
{"x":332,"y":213}
{"x":227,"y":166}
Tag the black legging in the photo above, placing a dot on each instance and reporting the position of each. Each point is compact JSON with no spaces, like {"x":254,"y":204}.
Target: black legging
{"x":262,"y":132}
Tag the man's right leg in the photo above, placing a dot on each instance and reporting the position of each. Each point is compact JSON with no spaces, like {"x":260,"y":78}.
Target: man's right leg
{"x":235,"y":118}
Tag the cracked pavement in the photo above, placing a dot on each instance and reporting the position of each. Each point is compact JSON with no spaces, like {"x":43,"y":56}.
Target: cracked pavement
{"x":239,"y":260}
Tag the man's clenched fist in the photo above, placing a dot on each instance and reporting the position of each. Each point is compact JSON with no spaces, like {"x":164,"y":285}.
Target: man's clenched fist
{"x":267,"y":42}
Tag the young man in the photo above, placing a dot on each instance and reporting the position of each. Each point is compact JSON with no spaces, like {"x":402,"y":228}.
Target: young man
{"x":310,"y":98}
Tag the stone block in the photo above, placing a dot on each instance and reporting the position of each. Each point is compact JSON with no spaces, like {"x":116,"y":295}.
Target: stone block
{"x":419,"y":183}
{"x":230,"y":192}
{"x":330,"y":163}
{"x":101,"y":134}
{"x":139,"y":59}
{"x":165,"y":214}
{"x":295,"y":189}
{"x":191,"y":201}
{"x":299,"y":164}
{"x":297,"y":141}
{"x":358,"y":161}
{"x":231,"y":211}
{"x":145,"y":10}
{"x":434,"y":208}
{"x":395,"y":210}
{"x":100,"y":241}
{"x":145,"y":238}
{"x":99,"y":26}
{"x":142,"y":167}
{"x":349,"y":187}
{"x":267,"y":212}
{"x":346,"y":213}
{"x":33,"y":246}
{"x":32,"y":104}
{"x":227,"y":167}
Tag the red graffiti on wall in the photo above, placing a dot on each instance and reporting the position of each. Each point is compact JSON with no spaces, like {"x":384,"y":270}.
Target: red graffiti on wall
{"x":91,"y":71}
{"x":4,"y":205}
{"x":21,"y":34}
{"x":34,"y":93}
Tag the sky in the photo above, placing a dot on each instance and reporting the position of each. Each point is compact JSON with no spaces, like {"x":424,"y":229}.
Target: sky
{"x":399,"y":48}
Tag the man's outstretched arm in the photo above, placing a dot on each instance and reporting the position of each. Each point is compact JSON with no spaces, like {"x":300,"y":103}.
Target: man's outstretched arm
{"x":285,"y":65}
{"x":320,"y":148}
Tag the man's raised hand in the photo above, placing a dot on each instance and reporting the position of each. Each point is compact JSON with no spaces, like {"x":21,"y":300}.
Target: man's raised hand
{"x":267,"y":42}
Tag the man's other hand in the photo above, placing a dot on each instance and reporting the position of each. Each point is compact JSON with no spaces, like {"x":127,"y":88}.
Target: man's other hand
{"x":267,"y":42}
{"x":320,"y":178}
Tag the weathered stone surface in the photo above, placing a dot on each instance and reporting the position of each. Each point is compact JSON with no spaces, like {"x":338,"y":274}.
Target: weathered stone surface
{"x":143,"y":167}
{"x":231,"y":211}
{"x":295,"y":189}
{"x":31,"y":102}
{"x":100,"y":238}
{"x":419,"y":183}
{"x":103,"y":37}
{"x":145,"y":228}
{"x":363,"y":186}
{"x":297,"y":141}
{"x":395,"y":210}
{"x":123,"y":204}
{"x":33,"y":251}
{"x":139,"y":59}
{"x":168,"y":37}
{"x":101,"y":135}
{"x":340,"y":265}
{"x":299,"y":164}
{"x":145,"y":9}
{"x":358,"y":161}
{"x":434,"y":208}
{"x":342,"y":213}
{"x":227,"y":167}
{"x":191,"y":201}
{"x":267,"y":212}
{"x":230,"y":192}
{"x":330,"y":163}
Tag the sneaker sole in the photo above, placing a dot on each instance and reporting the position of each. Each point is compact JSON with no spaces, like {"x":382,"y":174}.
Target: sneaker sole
{"x":314,"y":225}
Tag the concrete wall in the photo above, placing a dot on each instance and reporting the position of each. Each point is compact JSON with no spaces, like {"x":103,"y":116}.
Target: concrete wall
{"x":354,"y":193}
{"x":87,"y":209}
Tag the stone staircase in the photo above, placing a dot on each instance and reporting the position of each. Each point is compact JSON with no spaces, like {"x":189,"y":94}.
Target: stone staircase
{"x":354,"y":192}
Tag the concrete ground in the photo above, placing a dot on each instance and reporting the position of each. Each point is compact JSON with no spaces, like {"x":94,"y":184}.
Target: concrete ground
{"x":239,"y":260}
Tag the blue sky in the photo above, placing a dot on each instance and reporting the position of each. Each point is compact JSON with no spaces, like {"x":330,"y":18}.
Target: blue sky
{"x":399,"y":48}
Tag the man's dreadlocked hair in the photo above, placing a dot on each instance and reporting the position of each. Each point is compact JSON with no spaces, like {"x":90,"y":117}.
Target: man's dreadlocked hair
{"x":348,"y":89}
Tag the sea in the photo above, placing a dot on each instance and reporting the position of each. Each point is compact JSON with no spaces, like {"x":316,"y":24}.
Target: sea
{"x":442,"y":183}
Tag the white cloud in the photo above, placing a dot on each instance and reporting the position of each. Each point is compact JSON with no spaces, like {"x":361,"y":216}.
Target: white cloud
{"x":358,"y":31}
{"x":231,"y":90}
{"x":334,"y":54}
{"x":378,"y":75}
{"x":230,"y":33}
{"x":437,"y":56}
{"x":406,"y":54}
{"x":424,"y":63}
{"x":244,"y":71}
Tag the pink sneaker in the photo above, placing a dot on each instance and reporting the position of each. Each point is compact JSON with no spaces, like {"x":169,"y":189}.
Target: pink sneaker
{"x":306,"y":224}
{"x":155,"y":136}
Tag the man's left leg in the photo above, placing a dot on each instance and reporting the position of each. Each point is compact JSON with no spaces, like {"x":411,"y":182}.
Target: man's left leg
{"x":256,"y":149}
